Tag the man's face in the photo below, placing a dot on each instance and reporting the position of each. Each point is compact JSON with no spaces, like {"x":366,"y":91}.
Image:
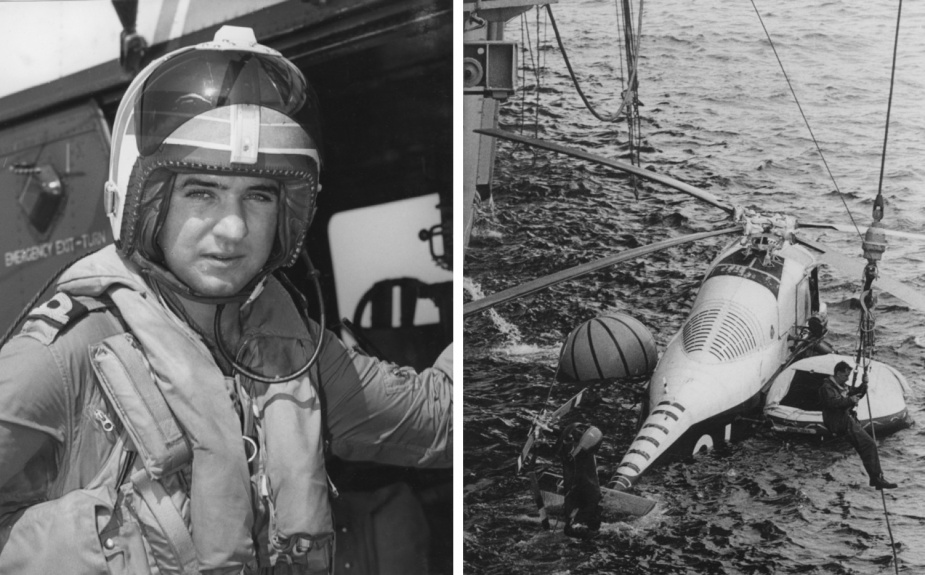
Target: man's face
{"x":842,"y":376}
{"x":219,"y":230}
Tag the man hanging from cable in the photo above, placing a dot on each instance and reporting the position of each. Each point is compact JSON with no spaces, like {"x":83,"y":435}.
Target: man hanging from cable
{"x":838,"y":403}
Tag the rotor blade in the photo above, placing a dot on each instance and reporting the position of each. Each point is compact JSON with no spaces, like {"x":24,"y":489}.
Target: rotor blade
{"x":547,"y":489}
{"x":622,"y":503}
{"x":855,"y":266}
{"x":580,"y":270}
{"x":853,"y":229}
{"x":643,"y":173}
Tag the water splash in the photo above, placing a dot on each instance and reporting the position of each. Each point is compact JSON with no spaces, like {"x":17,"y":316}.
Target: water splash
{"x":510,"y":331}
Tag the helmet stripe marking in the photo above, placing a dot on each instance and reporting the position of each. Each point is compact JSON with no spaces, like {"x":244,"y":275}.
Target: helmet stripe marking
{"x":310,"y":152}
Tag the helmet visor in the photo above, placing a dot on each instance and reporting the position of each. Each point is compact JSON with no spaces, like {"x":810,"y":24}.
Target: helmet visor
{"x":201,"y":80}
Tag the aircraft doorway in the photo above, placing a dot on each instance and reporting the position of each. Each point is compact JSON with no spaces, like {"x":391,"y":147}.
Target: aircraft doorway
{"x":404,"y":312}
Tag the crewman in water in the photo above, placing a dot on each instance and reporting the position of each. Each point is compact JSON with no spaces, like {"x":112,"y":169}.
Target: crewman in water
{"x":577,"y":448}
{"x":838,"y":403}
{"x":168,"y":410}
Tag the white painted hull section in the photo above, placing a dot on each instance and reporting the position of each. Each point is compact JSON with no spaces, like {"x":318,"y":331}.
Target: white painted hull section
{"x":717,"y":366}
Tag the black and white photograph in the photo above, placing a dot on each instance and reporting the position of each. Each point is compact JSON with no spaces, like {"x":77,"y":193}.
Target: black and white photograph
{"x":227,"y":287}
{"x":693,"y":287}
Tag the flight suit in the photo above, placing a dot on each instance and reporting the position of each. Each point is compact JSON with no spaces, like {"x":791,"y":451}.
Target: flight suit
{"x":838,"y":419}
{"x":57,"y":430}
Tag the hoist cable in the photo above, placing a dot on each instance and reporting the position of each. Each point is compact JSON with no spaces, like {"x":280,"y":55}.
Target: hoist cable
{"x":634,"y":122}
{"x":886,"y":517}
{"x":539,"y":76}
{"x":616,"y":5}
{"x":534,"y":60}
{"x":866,"y":314}
{"x":805,"y":120}
{"x":525,"y":31}
{"x":636,"y":117}
{"x":865,"y":329}
{"x":889,"y":105}
{"x":865,"y":345}
{"x":523,"y":77}
{"x":612,"y":118}
{"x":630,"y":93}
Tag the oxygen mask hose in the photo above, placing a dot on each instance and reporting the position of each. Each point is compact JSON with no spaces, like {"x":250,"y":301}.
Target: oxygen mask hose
{"x":247,"y":372}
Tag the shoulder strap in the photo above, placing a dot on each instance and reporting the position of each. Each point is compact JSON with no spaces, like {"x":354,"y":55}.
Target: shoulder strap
{"x":128,"y":383}
{"x":177,"y":549}
{"x":126,"y":379}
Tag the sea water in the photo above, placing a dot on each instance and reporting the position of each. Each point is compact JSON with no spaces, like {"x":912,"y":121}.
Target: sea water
{"x":718,"y":113}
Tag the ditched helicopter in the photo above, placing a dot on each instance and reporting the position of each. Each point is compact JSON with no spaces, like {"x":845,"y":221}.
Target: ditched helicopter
{"x":757,"y":312}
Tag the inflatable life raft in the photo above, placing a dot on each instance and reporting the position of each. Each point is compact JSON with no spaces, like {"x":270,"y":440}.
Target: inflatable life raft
{"x":792,"y":404}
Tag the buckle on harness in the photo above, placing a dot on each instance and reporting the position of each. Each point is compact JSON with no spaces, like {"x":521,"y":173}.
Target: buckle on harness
{"x":292,"y":546}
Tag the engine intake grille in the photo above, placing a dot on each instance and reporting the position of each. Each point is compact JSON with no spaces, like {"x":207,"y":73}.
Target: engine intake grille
{"x":726,"y":331}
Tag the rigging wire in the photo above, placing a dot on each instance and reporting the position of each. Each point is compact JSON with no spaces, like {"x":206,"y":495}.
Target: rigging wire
{"x":864,"y":358}
{"x":620,"y":31}
{"x":536,"y":60}
{"x":866,"y":327}
{"x":523,"y":77}
{"x":634,"y":120}
{"x":866,"y":341}
{"x":525,"y":32}
{"x":603,"y":118}
{"x":629,"y":105}
{"x":636,"y":103}
{"x":624,"y":24}
{"x":889,"y":106}
{"x":805,"y":120}
{"x":539,"y":75}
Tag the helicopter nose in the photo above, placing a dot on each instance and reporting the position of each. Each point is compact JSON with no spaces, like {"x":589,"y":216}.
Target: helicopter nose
{"x":661,"y":429}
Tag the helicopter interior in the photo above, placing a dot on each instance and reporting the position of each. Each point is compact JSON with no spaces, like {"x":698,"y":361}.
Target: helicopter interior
{"x":804,"y":391}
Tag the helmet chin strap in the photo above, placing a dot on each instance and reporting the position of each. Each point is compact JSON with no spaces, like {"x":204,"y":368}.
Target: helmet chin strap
{"x":157,"y":274}
{"x":303,"y":304}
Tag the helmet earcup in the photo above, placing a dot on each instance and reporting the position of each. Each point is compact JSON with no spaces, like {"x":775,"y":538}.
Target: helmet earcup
{"x":152,"y":213}
{"x":126,"y":241}
{"x":145,"y":209}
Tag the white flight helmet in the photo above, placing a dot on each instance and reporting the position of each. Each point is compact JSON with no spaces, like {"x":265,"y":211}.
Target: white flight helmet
{"x":230,"y":106}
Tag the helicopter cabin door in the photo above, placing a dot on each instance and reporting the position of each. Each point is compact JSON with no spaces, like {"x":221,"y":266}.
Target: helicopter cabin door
{"x":52,"y":176}
{"x":804,"y":300}
{"x":388,"y":283}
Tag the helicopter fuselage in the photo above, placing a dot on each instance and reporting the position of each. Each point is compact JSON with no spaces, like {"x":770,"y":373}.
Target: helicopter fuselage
{"x":740,"y":332}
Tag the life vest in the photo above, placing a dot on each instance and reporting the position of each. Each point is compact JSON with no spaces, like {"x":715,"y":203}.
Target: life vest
{"x":134,"y":516}
{"x":97,"y":518}
{"x":130,"y":517}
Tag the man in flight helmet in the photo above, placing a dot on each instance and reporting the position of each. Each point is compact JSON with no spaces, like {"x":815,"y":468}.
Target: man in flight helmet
{"x":168,"y":410}
{"x":838,"y":414}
